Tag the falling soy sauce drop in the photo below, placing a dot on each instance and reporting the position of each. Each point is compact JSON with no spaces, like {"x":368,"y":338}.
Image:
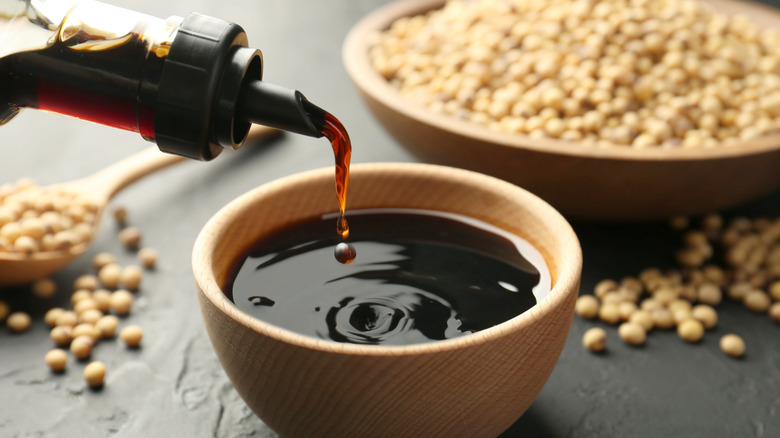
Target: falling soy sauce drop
{"x":334,"y":131}
{"x":345,"y":253}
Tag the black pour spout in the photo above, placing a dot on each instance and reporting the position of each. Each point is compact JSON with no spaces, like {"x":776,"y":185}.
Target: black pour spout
{"x":271,"y":105}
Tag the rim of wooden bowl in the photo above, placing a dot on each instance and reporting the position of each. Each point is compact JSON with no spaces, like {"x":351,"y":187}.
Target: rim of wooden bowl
{"x":568,"y":259}
{"x":369,"y":81}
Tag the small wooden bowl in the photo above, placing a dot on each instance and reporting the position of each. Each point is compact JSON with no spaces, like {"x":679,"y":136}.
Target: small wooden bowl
{"x":475,"y":385}
{"x":584,"y":182}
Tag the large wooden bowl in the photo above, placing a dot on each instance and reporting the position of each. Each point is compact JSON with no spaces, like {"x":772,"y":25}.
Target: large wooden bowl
{"x":583,"y":182}
{"x":472,"y":386}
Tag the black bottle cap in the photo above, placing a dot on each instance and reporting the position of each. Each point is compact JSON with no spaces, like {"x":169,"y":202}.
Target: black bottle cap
{"x":199,"y":85}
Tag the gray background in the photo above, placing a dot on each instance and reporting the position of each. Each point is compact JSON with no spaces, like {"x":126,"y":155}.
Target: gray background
{"x":174,"y":386}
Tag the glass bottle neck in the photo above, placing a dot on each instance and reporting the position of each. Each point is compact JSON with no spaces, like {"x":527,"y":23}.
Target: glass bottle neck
{"x":98,"y":62}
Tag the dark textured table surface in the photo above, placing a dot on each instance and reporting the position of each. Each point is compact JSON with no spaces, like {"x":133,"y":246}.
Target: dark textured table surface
{"x":174,"y":385}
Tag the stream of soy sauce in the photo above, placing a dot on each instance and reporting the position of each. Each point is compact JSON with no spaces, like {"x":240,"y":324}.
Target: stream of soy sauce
{"x":334,"y":131}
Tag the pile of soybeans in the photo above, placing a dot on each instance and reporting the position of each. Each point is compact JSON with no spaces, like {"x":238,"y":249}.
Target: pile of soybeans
{"x":638,"y":73}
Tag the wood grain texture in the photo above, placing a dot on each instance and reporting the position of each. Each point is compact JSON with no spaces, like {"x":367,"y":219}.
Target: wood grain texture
{"x":472,"y":386}
{"x":584,"y":182}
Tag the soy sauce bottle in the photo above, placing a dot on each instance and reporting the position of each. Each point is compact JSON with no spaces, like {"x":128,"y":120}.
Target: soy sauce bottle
{"x":191,"y":85}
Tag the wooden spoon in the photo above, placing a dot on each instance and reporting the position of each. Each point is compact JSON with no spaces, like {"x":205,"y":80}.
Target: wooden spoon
{"x":98,"y":188}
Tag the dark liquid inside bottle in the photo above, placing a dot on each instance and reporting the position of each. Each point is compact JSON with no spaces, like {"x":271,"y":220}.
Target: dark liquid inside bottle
{"x":422,"y":276}
{"x":91,"y":68}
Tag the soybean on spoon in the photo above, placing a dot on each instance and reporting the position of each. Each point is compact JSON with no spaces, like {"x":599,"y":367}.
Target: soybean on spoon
{"x":98,"y":189}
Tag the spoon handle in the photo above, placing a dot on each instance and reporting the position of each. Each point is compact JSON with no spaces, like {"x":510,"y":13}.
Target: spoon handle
{"x":107,"y":182}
